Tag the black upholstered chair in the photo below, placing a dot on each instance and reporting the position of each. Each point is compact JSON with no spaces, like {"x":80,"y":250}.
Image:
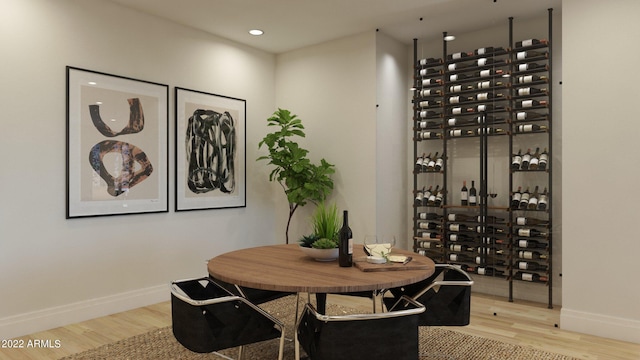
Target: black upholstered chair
{"x":379,"y":336}
{"x":207,"y":318}
{"x":256,"y":296}
{"x":446,"y":295}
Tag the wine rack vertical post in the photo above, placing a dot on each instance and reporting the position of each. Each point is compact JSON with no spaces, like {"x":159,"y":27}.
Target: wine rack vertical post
{"x":549,"y":161}
{"x":416,"y":131}
{"x":511,"y":246}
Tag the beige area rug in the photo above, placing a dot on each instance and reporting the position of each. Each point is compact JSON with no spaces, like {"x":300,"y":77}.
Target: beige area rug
{"x":436,"y":343}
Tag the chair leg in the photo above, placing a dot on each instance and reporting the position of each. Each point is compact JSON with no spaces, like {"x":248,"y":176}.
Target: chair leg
{"x":240,"y":352}
{"x":295,"y":330}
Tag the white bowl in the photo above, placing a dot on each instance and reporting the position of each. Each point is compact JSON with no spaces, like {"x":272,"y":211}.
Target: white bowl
{"x":320,"y":254}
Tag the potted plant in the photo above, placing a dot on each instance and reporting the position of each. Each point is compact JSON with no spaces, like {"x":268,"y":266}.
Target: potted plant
{"x":322,"y":244}
{"x":301,"y":180}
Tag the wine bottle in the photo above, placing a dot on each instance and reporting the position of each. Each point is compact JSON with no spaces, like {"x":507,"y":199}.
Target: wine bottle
{"x":521,"y":220}
{"x":530,"y":128}
{"x":419,"y":197}
{"x":464,"y":196}
{"x":535,"y":160}
{"x":431,"y":201}
{"x":489,"y":240}
{"x":543,"y":201}
{"x":431,"y":164}
{"x":429,"y":135}
{"x":531,"y":78}
{"x":431,"y":81}
{"x":489,"y":230}
{"x":459,"y":227}
{"x":439,"y":162}
{"x":458,"y":66}
{"x":345,"y":256}
{"x":530,"y":103}
{"x":429,"y":244}
{"x":459,"y":88}
{"x":457,"y":99}
{"x":533,"y":277}
{"x":488,"y":119}
{"x":487,"y":84}
{"x":459,"y":257}
{"x":527,"y":232}
{"x":515,"y":198}
{"x":524,"y":199}
{"x":530,"y":42}
{"x":419,"y":161}
{"x":526,"y":159}
{"x":488,"y":72}
{"x":460,"y":110}
{"x":460,"y":133}
{"x":425,"y":162}
{"x":459,"y":248}
{"x":428,"y":72}
{"x":439,"y":197}
{"x":429,"y":226}
{"x":544,"y":158}
{"x":534,"y":244}
{"x":429,"y":103}
{"x":531,"y":66}
{"x":461,"y":237}
{"x":489,"y":271}
{"x":473,"y":200}
{"x":530,"y":91}
{"x":429,"y":235}
{"x":490,"y":219}
{"x":516,"y":161}
{"x":460,"y":217}
{"x":531,"y":255}
{"x":530,"y":265}
{"x":521,"y":55}
{"x":458,"y":55}
{"x":533,"y":199}
{"x":529,"y":115}
{"x":429,"y":61}
{"x":429,"y":216}
{"x":488,"y":96}
{"x":426,"y":196}
{"x":426,"y":124}
{"x":430,"y":92}
{"x":424,"y":114}
{"x":458,"y":77}
{"x":489,"y":61}
{"x":487,"y":50}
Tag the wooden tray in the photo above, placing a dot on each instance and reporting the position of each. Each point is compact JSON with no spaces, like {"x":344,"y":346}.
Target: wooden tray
{"x":415,"y":264}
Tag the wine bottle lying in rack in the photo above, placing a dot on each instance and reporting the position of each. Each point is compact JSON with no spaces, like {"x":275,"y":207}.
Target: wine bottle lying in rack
{"x":458,"y":55}
{"x":486,"y":240}
{"x":490,"y":219}
{"x":530,"y":42}
{"x":428,"y":72}
{"x":530,"y":103}
{"x":430,"y":92}
{"x":481,"y":260}
{"x":429,"y":61}
{"x":458,"y":77}
{"x":530,"y":128}
{"x":460,"y":133}
{"x":458,"y":99}
{"x":532,"y":244}
{"x":460,"y":257}
{"x":461,"y":237}
{"x":424,"y":124}
{"x":489,"y":72}
{"x":488,"y":119}
{"x":460,"y":248}
{"x":526,"y":232}
{"x":529,"y":115}
{"x":460,"y":122}
{"x":489,"y":271}
{"x":487,"y":84}
{"x":424,"y":135}
{"x":489,"y":131}
{"x":522,"y":55}
{"x":530,"y":265}
{"x":460,"y":88}
{"x":484,"y":107}
{"x":429,"y":216}
{"x":490,"y":251}
{"x":521,"y":220}
{"x":530,"y":91}
{"x":488,"y":96}
{"x":430,"y":82}
{"x":490,"y":230}
{"x":533,"y":277}
{"x":429,"y":244}
{"x":456,"y":227}
{"x":531,"y":255}
{"x":487,"y":50}
{"x":459,"y":66}
{"x":460,"y":110}
{"x":429,"y":235}
{"x":429,"y":226}
{"x":424,"y":114}
{"x":490,"y":61}
{"x":532,"y":66}
{"x":524,"y":79}
{"x":429,"y":103}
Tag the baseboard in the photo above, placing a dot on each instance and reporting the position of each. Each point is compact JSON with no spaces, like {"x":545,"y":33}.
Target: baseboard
{"x":29,"y":323}
{"x":600,"y":325}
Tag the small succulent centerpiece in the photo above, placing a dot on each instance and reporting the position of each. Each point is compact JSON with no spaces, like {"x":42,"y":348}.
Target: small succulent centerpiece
{"x":322,"y":244}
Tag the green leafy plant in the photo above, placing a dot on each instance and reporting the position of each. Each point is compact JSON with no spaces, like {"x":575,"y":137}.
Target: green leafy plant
{"x":324,"y":244}
{"x":301,"y":180}
{"x":326,"y":222}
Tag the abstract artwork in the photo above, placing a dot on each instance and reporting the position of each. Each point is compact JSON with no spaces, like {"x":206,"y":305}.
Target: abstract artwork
{"x":117,"y":145}
{"x":210,"y":150}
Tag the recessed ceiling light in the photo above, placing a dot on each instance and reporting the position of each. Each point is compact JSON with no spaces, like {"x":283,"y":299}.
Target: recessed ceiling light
{"x":256,"y":32}
{"x":449,"y":38}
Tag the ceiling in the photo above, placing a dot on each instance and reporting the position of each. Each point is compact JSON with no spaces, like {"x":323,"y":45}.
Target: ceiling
{"x":292,"y":24}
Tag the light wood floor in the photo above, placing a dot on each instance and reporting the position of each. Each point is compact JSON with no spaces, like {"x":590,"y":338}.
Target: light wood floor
{"x":520,"y":322}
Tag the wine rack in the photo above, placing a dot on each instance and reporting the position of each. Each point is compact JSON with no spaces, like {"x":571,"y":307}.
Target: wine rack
{"x":498,"y":95}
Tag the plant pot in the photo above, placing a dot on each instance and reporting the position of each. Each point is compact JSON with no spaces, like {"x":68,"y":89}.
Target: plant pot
{"x":320,"y":254}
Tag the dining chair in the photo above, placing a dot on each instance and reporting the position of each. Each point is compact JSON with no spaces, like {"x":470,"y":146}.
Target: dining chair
{"x":446,"y":295}
{"x":377,"y":336}
{"x":207,"y":318}
{"x":256,"y":296}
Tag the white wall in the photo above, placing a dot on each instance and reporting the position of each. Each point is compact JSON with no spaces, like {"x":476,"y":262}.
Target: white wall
{"x":392,"y":136}
{"x":600,"y":178}
{"x":331,"y":87}
{"x":55,"y":271}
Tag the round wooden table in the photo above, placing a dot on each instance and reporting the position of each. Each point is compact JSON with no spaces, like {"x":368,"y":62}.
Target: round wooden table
{"x":286,"y":268}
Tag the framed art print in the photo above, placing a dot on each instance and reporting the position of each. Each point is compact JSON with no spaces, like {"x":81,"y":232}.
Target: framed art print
{"x":117,"y":145}
{"x":210,"y":151}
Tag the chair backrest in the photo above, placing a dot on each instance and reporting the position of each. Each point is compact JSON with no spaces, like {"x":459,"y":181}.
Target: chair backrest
{"x":389,"y":335}
{"x":207,"y":317}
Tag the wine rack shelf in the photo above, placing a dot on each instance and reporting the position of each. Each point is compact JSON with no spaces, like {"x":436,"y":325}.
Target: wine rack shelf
{"x":470,"y":99}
